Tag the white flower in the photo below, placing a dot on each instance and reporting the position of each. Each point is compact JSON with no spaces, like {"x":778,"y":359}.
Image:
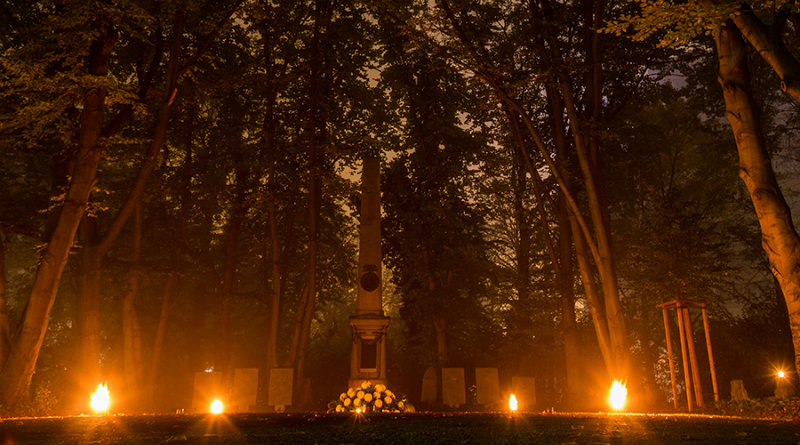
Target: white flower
{"x":389,"y":393}
{"x":400,"y":405}
{"x":347,"y":402}
{"x":351,"y":393}
{"x":365,"y":385}
{"x":357,"y":403}
{"x":388,"y":400}
{"x":378,"y":403}
{"x":340,"y":408}
{"x":342,"y":396}
{"x":380,"y":388}
{"x":376,"y":394}
{"x":368,"y":398}
{"x":360,"y":395}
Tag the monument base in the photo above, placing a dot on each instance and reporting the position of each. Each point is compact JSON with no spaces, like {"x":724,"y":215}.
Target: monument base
{"x":368,"y":357}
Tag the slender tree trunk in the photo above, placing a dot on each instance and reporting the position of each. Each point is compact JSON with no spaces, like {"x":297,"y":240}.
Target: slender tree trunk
{"x":172,"y":285}
{"x":89,"y":304}
{"x":778,"y":235}
{"x":315,"y":132}
{"x":131,"y":331}
{"x":18,"y":369}
{"x":5,"y":330}
{"x":234,"y":231}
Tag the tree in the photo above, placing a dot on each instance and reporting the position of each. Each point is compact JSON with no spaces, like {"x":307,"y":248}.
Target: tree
{"x":19,"y":366}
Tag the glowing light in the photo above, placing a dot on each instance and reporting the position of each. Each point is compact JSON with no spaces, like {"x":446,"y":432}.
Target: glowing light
{"x":512,"y":403}
{"x":359,"y":410}
{"x":781,"y":374}
{"x":100,"y":401}
{"x":216,"y":407}
{"x":617,"y":395}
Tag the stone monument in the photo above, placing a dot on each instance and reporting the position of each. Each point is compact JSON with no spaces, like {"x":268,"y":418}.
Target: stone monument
{"x":368,"y":324}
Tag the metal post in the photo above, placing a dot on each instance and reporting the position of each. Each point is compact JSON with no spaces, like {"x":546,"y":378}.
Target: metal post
{"x":671,"y":365}
{"x":710,"y":357}
{"x":686,"y":375}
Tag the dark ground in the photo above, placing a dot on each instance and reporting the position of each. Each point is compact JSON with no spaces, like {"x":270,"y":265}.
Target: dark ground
{"x":421,"y":428}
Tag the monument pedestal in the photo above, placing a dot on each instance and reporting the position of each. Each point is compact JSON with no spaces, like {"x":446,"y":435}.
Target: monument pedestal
{"x":368,"y":357}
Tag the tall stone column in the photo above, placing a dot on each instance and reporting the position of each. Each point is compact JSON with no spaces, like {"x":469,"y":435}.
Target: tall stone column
{"x":368,"y":324}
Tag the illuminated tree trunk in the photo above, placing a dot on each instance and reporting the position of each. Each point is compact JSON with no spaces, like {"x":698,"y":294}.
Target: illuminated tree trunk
{"x":18,"y":369}
{"x":88,"y":318}
{"x":778,"y":235}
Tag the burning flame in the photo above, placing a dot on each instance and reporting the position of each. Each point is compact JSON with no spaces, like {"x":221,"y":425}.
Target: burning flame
{"x":358,"y":410}
{"x":216,"y":407}
{"x":101,"y":399}
{"x":781,"y":374}
{"x":512,"y":403}
{"x":617,"y":395}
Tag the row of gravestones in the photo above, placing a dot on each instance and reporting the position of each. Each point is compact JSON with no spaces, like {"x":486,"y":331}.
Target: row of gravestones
{"x":487,"y":387}
{"x":784,"y":389}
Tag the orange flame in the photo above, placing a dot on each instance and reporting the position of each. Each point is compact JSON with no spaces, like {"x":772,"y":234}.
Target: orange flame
{"x":100,"y":400}
{"x":216,"y":407}
{"x":617,"y":395}
{"x":512,"y":403}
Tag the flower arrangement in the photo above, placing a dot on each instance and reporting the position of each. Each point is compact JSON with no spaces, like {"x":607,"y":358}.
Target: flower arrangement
{"x":368,"y":398}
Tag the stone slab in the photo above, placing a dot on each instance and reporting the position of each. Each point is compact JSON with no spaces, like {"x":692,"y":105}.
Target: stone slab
{"x":280,"y":387}
{"x":737,"y":390}
{"x":487,"y":383}
{"x":454,"y":391}
{"x":207,"y":387}
{"x":524,"y":388}
{"x":430,"y":381}
{"x":245,"y":390}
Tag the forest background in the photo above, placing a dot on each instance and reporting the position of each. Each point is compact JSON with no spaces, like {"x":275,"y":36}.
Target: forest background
{"x":179,"y":189}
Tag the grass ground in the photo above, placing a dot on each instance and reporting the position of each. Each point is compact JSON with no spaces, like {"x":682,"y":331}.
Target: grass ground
{"x":419,"y":428}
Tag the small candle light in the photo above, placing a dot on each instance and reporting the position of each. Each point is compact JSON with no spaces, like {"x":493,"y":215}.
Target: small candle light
{"x":781,"y":374}
{"x":512,"y":403}
{"x":216,"y":407}
{"x":100,"y":400}
{"x":617,"y":395}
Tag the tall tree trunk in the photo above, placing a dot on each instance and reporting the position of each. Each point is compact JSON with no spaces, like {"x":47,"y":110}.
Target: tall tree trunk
{"x":778,"y":235}
{"x":18,"y":369}
{"x":172,"y":285}
{"x":131,"y":331}
{"x":234,"y":230}
{"x":315,"y":131}
{"x":5,"y":330}
{"x":89,"y":304}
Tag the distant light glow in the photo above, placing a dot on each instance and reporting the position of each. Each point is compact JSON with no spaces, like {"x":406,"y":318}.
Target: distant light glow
{"x":359,"y":410}
{"x":216,"y":407}
{"x":781,"y":374}
{"x":512,"y":403}
{"x":100,"y":400}
{"x":617,"y":395}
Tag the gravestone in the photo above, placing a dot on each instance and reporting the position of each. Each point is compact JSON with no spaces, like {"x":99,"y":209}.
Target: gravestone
{"x":737,"y":390}
{"x":245,"y":389}
{"x":524,"y":388}
{"x":280,"y":388}
{"x":429,"y":383}
{"x":454,"y":392}
{"x":784,"y":389}
{"x":207,"y":387}
{"x":488,"y":386}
